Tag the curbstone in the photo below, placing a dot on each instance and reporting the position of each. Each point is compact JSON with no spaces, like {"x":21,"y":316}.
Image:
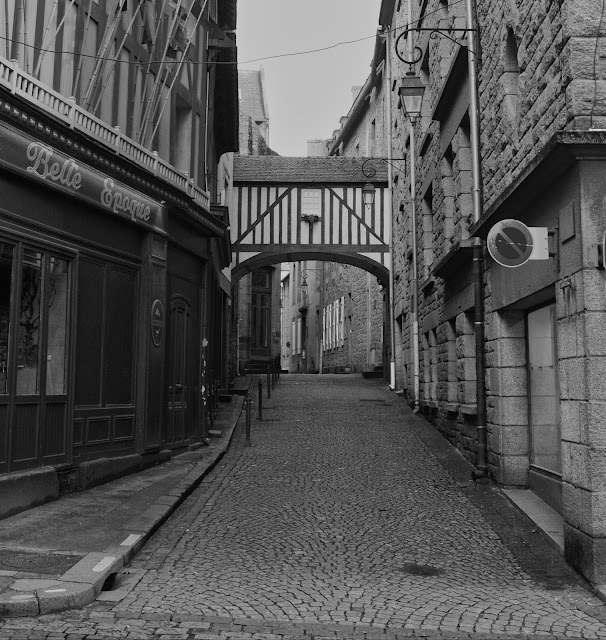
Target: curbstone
{"x":19,"y":605}
{"x":81,"y":584}
{"x":66,"y":595}
{"x":94,"y":569}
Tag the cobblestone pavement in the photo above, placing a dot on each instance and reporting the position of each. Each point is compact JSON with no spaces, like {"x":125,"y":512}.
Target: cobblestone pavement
{"x":338,"y":521}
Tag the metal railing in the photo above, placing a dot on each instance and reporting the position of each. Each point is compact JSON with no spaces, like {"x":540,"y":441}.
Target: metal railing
{"x":21,"y":84}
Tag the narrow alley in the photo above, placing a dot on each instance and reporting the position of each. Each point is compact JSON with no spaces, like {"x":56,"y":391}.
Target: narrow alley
{"x":348,"y":516}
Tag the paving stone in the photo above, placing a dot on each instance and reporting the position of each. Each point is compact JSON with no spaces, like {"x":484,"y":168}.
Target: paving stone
{"x":338,"y":523}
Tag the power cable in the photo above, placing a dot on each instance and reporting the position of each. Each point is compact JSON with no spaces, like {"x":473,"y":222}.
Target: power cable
{"x":262,"y":59}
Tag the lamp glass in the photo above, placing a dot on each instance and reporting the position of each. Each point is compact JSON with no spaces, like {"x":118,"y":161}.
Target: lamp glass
{"x":411,"y":95}
{"x":368,"y":193}
{"x":304,"y":287}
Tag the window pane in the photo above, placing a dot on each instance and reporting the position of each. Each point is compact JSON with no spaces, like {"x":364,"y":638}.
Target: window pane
{"x":119,"y":337}
{"x":6,"y":261}
{"x":28,"y":343}
{"x":544,"y":401}
{"x":89,"y":331}
{"x":57,"y":327}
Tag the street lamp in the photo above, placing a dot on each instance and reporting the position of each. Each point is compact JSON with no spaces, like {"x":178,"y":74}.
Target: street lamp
{"x":368,"y":190}
{"x":409,"y":103}
{"x":411,"y":96}
{"x":368,"y":193}
{"x":304,"y":286}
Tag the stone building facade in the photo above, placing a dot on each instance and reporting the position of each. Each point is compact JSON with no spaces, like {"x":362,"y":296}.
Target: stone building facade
{"x":353,"y":296}
{"x":541,"y":83}
{"x":256,"y":296}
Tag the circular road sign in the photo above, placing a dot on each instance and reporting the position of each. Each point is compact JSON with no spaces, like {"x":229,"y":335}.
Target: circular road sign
{"x":510,"y":243}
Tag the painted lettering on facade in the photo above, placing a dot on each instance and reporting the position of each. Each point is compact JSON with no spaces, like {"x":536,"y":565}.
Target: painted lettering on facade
{"x":119,"y":202}
{"x":65,"y":172}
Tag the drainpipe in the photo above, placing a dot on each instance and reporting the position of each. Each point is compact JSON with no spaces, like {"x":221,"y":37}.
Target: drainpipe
{"x":413,"y":224}
{"x":478,"y":249}
{"x":392,"y":320}
{"x":415,"y":272}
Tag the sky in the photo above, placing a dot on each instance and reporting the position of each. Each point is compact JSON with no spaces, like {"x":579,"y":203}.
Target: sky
{"x":307,"y":94}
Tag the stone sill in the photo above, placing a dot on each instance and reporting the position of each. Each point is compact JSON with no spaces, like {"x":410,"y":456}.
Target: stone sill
{"x":469,"y":409}
{"x":425,"y":141}
{"x":459,"y":256}
{"x":430,"y":404}
{"x":427,"y":284}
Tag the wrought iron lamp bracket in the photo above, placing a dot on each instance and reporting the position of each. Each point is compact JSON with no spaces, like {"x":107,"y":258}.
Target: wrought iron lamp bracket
{"x":370,"y":172}
{"x":434,"y":33}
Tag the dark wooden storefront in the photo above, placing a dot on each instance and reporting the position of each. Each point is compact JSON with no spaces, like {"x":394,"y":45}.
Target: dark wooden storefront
{"x":101,"y":320}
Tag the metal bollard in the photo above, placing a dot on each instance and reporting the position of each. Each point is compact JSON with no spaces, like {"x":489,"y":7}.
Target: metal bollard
{"x":260,"y":399}
{"x":248,"y":406}
{"x":273,"y":375}
{"x":268,"y":382}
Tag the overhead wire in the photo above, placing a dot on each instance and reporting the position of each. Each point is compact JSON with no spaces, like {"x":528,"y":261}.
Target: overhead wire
{"x":260,"y":59}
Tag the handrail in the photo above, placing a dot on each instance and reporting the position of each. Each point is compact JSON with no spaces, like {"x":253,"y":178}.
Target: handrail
{"x":21,"y":84}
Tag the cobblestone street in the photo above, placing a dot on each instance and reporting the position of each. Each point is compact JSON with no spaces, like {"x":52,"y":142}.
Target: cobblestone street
{"x":339,"y":521}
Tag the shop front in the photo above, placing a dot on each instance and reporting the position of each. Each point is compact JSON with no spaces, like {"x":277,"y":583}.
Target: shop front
{"x":101,"y":314}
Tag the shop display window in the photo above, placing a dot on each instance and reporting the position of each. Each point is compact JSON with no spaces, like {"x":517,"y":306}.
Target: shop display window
{"x":6,"y":270}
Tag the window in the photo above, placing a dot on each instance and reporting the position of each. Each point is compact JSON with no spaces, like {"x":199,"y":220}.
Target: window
{"x":105,"y":338}
{"x":428,"y":231}
{"x":311,"y":203}
{"x":6,"y":266}
{"x":40,"y":333}
{"x":448,"y":193}
{"x":510,"y":78}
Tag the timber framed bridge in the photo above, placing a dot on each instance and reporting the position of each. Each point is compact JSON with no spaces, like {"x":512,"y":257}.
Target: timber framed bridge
{"x":296,"y":209}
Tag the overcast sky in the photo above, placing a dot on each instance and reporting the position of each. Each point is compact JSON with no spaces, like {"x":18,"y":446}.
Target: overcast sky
{"x":307,"y":94}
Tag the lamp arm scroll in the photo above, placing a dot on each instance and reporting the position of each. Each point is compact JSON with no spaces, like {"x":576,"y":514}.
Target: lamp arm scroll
{"x":434,"y":33}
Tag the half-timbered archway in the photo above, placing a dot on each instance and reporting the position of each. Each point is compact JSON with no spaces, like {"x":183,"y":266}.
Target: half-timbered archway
{"x":290,"y":209}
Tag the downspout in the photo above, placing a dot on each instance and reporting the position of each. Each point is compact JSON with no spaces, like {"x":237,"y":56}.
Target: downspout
{"x":392,"y":320}
{"x":413,"y":225}
{"x":478,"y":248}
{"x":415,"y":275}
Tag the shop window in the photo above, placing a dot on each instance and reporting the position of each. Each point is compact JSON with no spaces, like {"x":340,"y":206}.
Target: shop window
{"x":34,"y":310}
{"x":6,"y":270}
{"x":544,"y":397}
{"x":28,"y":340}
{"x":58,"y":306}
{"x":105,"y":335}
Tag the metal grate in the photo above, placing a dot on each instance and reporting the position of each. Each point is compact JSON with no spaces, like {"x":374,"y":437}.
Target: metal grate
{"x":36,"y":562}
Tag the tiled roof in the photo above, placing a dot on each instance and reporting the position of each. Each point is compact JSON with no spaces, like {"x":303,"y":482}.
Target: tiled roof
{"x":332,"y":170}
{"x":252,"y":101}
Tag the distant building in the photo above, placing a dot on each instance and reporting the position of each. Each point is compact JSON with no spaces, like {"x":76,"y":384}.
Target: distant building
{"x":345,"y":307}
{"x":256,"y":297}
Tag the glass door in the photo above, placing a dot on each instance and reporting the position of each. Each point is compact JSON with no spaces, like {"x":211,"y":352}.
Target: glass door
{"x":544,"y":405}
{"x":34,"y":313}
